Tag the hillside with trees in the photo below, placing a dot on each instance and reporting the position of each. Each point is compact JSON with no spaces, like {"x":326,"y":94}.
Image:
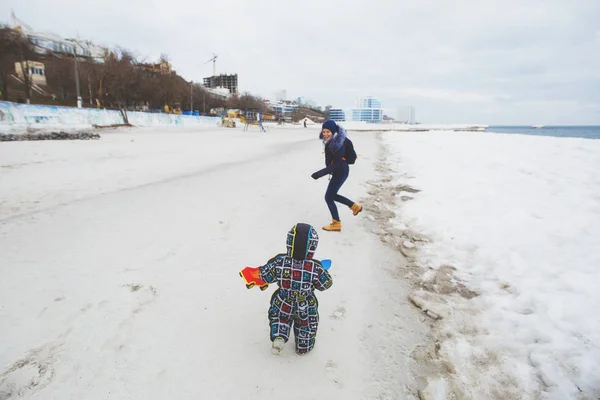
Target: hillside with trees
{"x":118,"y":80}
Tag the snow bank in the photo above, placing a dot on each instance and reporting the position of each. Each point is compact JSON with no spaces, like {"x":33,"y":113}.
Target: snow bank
{"x":518,"y":218}
{"x":308,"y":121}
{"x":18,"y":118}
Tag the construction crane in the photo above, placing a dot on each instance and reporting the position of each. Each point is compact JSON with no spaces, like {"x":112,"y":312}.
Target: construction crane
{"x":214,"y":61}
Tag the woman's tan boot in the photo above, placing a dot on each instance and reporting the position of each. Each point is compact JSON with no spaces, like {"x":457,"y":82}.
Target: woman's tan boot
{"x":356,"y":208}
{"x":334,"y":226}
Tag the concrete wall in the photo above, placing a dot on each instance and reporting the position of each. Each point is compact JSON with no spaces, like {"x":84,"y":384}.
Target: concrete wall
{"x":19,"y":118}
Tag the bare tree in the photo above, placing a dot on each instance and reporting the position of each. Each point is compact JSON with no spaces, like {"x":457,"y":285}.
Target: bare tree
{"x":7,"y":57}
{"x":86,"y":70}
{"x":60,"y":75}
{"x":100,"y":74}
{"x":246,"y":100}
{"x":25,"y":57}
{"x":164,"y":58}
{"x":123,"y":82}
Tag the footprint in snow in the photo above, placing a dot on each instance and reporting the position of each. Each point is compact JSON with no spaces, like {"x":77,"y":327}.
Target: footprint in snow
{"x":339,"y":312}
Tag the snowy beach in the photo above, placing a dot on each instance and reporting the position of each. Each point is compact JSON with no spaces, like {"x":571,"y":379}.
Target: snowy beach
{"x":148,"y":179}
{"x":119,"y":261}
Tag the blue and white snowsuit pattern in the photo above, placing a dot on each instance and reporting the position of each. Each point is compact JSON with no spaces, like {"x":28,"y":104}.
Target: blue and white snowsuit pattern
{"x":294,"y":303}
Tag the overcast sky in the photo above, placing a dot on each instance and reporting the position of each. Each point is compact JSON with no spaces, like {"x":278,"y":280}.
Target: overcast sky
{"x":460,"y":61}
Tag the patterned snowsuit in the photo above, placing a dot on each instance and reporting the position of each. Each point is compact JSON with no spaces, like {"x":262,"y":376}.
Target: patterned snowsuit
{"x":297,"y":276}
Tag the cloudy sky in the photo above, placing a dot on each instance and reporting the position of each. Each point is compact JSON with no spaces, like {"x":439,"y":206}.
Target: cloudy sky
{"x":460,"y":61}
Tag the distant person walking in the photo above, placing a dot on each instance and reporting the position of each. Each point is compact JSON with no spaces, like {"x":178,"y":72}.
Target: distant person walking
{"x":339,"y":152}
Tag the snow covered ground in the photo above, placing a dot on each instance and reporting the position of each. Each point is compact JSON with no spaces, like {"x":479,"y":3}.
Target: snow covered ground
{"x":119,"y":263}
{"x":516,"y":219}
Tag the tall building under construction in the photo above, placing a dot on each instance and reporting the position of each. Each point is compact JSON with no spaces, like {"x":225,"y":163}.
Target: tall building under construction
{"x":226,"y":81}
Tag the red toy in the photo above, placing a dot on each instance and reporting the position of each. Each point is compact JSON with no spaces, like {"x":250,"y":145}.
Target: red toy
{"x":252,"y":278}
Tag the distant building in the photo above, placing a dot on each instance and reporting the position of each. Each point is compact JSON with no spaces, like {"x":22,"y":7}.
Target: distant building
{"x":163,"y":67}
{"x":223,"y":81}
{"x":284,"y":108}
{"x":369,"y":102}
{"x":36,"y":71}
{"x":337,"y":114}
{"x":372,"y":115}
{"x":44,"y":42}
{"x":369,"y":110}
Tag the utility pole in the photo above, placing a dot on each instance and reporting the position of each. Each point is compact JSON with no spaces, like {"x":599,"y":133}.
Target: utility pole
{"x":90,"y":88}
{"x":79,"y":101}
